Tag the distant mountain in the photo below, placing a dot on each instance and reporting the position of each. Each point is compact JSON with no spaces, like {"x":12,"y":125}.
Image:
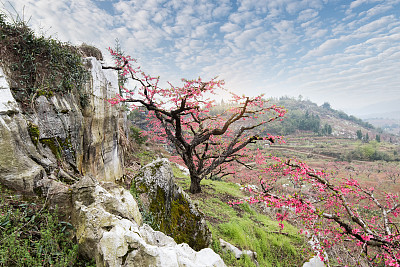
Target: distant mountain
{"x":388,"y":121}
{"x":389,"y":124}
{"x":387,"y":109}
{"x":394,"y":115}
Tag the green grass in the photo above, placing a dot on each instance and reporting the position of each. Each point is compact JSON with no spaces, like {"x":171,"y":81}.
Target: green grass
{"x":273,"y":249}
{"x":145,"y":156}
{"x":245,"y":227}
{"x":32,"y":235}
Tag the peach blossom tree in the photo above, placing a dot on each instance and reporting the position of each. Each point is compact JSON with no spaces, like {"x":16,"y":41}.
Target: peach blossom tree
{"x":181,"y":115}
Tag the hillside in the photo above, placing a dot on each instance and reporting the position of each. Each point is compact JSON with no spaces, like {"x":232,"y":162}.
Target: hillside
{"x":343,"y":125}
{"x":320,"y":131}
{"x":315,"y":131}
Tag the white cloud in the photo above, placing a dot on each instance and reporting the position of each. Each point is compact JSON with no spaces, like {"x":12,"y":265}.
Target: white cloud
{"x":357,"y":3}
{"x":376,"y":25}
{"x":229,"y":27}
{"x":307,"y":14}
{"x":244,"y":38}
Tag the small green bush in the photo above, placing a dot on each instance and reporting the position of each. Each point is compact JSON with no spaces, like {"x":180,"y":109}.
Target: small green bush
{"x":31,"y":235}
{"x":138,"y":136}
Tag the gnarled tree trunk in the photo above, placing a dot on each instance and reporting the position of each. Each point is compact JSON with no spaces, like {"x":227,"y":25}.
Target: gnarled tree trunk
{"x":195,"y":184}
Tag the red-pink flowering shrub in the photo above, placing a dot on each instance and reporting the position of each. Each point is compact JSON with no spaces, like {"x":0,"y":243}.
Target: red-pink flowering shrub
{"x":338,"y":212}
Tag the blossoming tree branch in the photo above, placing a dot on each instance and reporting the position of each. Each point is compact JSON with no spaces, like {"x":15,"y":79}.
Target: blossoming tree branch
{"x":363,"y":222}
{"x":204,"y":141}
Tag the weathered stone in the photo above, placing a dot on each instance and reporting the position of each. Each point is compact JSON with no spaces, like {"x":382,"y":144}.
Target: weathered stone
{"x":314,"y":262}
{"x":102,"y":156}
{"x":228,"y":247}
{"x":106,"y":233}
{"x":19,"y":168}
{"x":112,"y":198}
{"x":170,"y":206}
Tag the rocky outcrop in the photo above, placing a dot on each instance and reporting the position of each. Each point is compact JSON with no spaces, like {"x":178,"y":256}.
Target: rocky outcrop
{"x":109,"y":230}
{"x":169,"y":206}
{"x":57,"y":140}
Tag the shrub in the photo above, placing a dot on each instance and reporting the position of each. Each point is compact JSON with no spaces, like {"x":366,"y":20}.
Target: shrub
{"x":32,"y":235}
{"x":138,"y":136}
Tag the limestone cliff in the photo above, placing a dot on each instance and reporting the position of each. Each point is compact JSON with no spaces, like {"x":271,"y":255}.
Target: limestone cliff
{"x":58,"y":140}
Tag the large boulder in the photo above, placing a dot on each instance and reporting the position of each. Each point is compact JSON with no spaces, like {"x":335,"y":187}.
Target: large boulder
{"x":110,"y":230}
{"x":170,"y":207}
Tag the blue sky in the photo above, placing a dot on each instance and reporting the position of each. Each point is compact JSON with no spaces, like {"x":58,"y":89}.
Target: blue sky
{"x":344,"y":52}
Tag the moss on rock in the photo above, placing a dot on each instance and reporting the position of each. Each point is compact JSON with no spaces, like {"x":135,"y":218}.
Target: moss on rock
{"x":53,"y":145}
{"x":34,"y":133}
{"x":58,"y":146}
{"x":184,"y":225}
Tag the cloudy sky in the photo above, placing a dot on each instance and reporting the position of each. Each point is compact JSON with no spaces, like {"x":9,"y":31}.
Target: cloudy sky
{"x":344,"y":52}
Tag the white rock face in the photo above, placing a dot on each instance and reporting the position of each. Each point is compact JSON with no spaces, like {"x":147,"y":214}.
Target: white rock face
{"x":7,"y":101}
{"x":314,"y":262}
{"x":104,"y":160}
{"x":19,"y":159}
{"x":108,"y":233}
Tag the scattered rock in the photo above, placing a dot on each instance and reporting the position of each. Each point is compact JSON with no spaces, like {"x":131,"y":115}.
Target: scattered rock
{"x":183,"y":169}
{"x":314,"y":262}
{"x":225,"y":246}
